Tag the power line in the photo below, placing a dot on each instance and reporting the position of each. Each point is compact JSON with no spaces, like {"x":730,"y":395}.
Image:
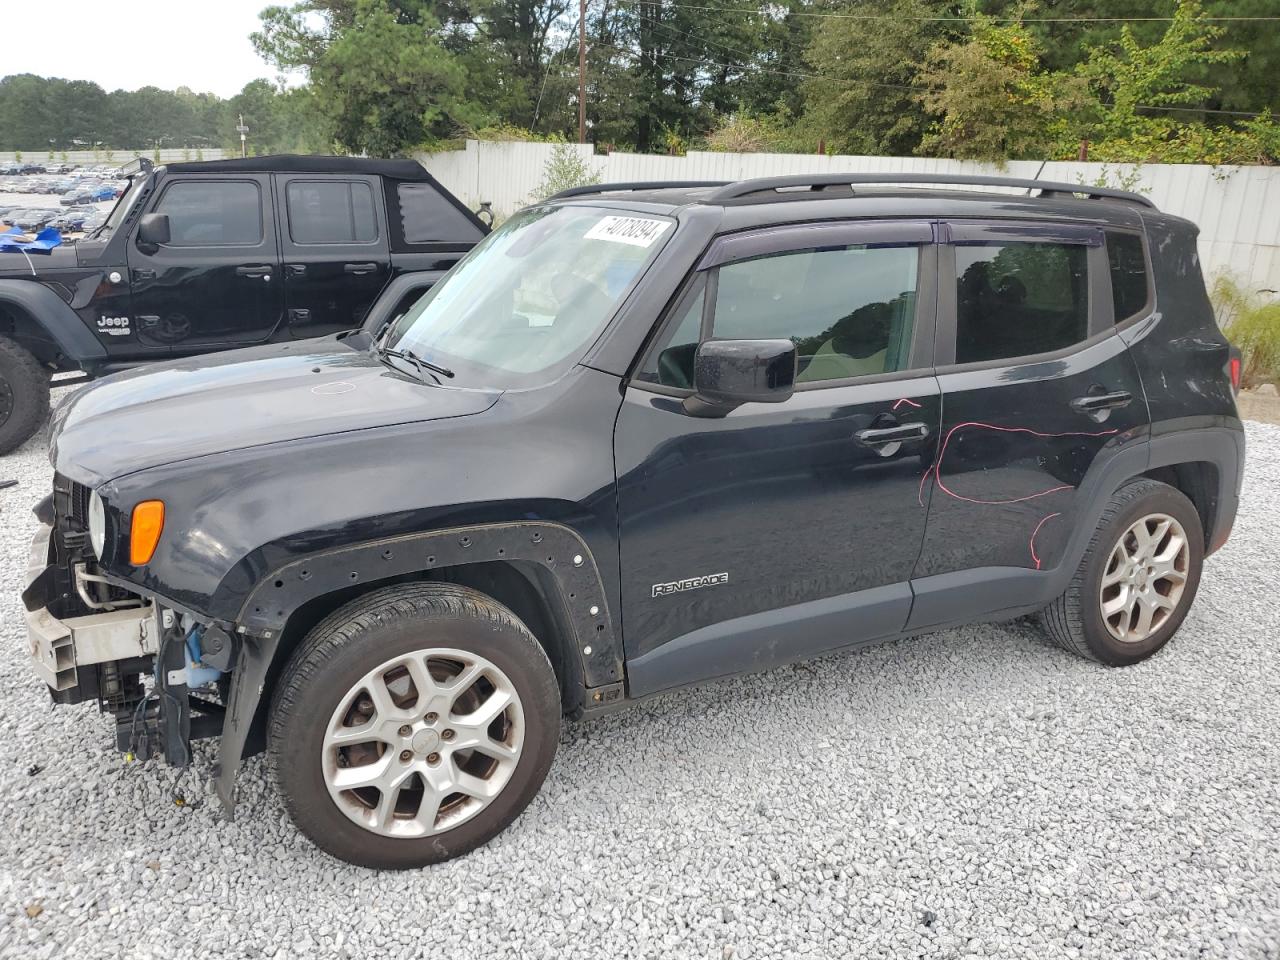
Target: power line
{"x":876,"y":16}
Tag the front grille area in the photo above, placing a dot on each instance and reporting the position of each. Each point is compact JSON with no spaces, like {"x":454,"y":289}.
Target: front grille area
{"x":71,"y":518}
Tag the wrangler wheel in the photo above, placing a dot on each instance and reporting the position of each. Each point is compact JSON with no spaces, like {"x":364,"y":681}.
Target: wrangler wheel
{"x":1137,"y":580}
{"x":24,"y":396}
{"x":413,"y":725}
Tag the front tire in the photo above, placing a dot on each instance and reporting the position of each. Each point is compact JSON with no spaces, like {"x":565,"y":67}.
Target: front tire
{"x":413,"y":725}
{"x":1137,"y":580}
{"x":24,"y":396}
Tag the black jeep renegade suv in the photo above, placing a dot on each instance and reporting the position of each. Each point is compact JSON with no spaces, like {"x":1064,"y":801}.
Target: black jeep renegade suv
{"x":198,"y":257}
{"x":641,"y":436}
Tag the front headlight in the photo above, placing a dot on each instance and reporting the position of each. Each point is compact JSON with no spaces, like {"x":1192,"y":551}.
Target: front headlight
{"x":97,"y":524}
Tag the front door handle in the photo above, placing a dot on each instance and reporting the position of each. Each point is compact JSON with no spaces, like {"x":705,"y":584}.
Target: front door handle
{"x":1095,"y":403}
{"x":899,"y":433}
{"x":359,"y":268}
{"x":255,"y":270}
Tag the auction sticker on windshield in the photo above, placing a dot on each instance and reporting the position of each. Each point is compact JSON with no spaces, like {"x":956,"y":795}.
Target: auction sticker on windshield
{"x":637,"y":231}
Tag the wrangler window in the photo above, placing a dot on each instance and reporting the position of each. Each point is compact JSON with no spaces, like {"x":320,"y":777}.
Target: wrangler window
{"x":213,"y":213}
{"x":331,"y":211}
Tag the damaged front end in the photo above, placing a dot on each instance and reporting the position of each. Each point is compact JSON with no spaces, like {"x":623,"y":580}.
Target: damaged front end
{"x":165,"y":676}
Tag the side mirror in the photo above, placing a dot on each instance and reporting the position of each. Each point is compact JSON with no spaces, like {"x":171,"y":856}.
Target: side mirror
{"x":153,"y":229}
{"x":727,"y":373}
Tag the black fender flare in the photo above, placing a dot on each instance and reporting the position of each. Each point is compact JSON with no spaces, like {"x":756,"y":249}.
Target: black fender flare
{"x":55,"y":321}
{"x":553,"y":546}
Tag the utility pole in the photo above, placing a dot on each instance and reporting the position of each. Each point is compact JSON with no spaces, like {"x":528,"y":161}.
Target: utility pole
{"x":582,"y":71}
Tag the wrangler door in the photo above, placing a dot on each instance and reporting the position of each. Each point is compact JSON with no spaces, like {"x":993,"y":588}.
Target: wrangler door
{"x":780,"y":529}
{"x":215,"y":283}
{"x":333,"y":235}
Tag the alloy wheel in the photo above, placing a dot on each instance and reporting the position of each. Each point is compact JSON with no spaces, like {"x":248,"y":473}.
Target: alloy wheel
{"x":423,"y":742}
{"x":1145,"y":577}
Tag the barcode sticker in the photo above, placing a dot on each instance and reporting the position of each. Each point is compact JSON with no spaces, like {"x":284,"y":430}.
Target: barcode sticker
{"x":637,"y":231}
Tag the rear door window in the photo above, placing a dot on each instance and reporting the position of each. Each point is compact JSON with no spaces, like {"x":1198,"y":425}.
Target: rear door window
{"x":1018,"y":299}
{"x":330,"y":211}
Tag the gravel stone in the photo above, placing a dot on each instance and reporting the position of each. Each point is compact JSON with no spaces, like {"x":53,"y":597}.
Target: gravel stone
{"x":978,"y":792}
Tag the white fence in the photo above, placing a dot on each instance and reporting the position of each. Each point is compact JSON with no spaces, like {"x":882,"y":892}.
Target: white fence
{"x":91,"y":158}
{"x":1237,"y":208}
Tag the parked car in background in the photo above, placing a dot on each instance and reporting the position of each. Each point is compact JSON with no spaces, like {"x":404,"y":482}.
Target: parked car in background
{"x":202,"y":257}
{"x":87,"y":193}
{"x":33,"y":218}
{"x":94,"y":218}
{"x":71,"y":221}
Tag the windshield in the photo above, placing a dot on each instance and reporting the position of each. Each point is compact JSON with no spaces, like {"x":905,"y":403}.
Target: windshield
{"x":522,"y":306}
{"x":123,"y":205}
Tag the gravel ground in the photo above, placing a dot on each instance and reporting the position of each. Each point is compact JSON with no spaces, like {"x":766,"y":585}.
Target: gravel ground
{"x":977,"y":792}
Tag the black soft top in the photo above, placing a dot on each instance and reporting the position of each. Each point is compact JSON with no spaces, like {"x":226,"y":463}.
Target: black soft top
{"x":300,"y":163}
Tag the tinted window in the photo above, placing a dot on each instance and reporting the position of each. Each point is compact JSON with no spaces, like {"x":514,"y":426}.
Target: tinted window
{"x":213,"y":213}
{"x":1019,"y":299}
{"x":850,"y":312}
{"x":1128,"y":274}
{"x":672,"y":364}
{"x":331,"y":211}
{"x":428,"y":217}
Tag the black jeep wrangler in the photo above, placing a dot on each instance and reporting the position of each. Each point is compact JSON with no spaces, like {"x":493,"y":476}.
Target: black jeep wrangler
{"x":642,"y":436}
{"x":198,"y":257}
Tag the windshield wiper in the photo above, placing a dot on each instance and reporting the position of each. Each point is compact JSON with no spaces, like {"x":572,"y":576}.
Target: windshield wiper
{"x":416,"y":360}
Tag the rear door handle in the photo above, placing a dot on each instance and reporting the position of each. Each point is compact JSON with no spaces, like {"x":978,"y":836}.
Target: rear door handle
{"x":880,"y":436}
{"x":359,"y":268}
{"x":296,"y":269}
{"x":258,"y":270}
{"x":1102,"y":401}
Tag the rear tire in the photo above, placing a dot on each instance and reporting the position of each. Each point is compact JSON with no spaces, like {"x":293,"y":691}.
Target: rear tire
{"x":24,"y":396}
{"x":380,"y":734}
{"x":1137,"y":580}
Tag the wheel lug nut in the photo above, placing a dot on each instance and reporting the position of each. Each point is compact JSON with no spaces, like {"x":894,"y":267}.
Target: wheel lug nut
{"x":429,"y":718}
{"x":405,"y":730}
{"x":433,"y":758}
{"x":446,"y":735}
{"x":406,"y":755}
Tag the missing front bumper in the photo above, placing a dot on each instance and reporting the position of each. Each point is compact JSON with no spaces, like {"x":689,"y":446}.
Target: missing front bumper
{"x":58,"y":647}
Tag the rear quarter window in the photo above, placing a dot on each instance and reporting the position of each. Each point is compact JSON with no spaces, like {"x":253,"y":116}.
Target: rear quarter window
{"x":428,"y":217}
{"x":1130,"y":285}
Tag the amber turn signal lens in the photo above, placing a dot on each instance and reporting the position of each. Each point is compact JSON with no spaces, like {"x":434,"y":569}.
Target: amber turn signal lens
{"x":144,"y":534}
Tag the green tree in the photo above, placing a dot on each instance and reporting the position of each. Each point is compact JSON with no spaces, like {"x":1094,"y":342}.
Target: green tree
{"x":381,"y":78}
{"x":864,"y":99}
{"x":990,"y":97}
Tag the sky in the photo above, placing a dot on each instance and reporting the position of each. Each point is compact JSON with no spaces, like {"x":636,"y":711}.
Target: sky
{"x":164,"y":43}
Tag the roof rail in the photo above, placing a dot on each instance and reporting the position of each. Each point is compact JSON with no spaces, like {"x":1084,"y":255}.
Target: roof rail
{"x":638,"y":185}
{"x":1047,"y":188}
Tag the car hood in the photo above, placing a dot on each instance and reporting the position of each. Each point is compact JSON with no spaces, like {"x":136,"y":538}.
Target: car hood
{"x":38,"y":262}
{"x":206,"y":405}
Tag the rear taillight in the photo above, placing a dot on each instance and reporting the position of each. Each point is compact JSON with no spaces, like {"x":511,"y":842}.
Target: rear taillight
{"x":1233,"y":369}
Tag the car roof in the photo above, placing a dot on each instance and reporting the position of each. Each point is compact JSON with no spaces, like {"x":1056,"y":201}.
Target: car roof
{"x":754,"y":203}
{"x":299,"y":163}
